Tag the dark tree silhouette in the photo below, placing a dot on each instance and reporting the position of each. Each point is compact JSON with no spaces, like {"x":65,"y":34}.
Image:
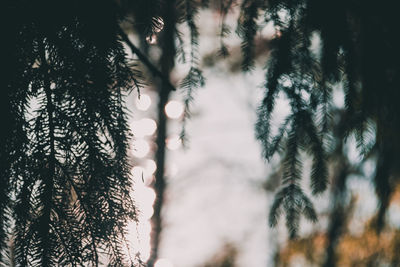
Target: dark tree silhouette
{"x":64,"y":170}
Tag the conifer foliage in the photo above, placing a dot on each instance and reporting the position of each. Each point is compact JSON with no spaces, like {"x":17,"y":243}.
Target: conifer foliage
{"x":64,"y":169}
{"x":357,"y":50}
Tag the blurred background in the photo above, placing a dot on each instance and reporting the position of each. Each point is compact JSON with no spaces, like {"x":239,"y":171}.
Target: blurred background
{"x":218,"y":189}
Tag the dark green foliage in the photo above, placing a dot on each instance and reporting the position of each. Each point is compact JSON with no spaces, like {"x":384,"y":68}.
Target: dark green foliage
{"x":358,"y":50}
{"x":144,"y":16}
{"x":247,"y":29}
{"x":293,"y":201}
{"x":194,"y":79}
{"x":291,"y":197}
{"x":64,"y":165}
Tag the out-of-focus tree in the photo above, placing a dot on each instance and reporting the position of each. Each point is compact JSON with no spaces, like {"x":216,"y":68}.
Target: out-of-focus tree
{"x":320,"y":45}
{"x":365,"y":249}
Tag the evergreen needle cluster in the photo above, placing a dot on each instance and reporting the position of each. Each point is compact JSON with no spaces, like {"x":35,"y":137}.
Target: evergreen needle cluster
{"x":356,"y":49}
{"x":64,"y":171}
{"x":64,"y":174}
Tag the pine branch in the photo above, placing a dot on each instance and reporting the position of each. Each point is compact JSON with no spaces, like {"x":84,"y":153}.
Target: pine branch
{"x":247,"y":29}
{"x":275,"y":145}
{"x":194,"y":79}
{"x":225,"y":29}
{"x":72,"y":197}
{"x":144,"y":59}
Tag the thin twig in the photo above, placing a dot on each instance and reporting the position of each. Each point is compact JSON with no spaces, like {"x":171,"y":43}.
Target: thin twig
{"x":143,"y":58}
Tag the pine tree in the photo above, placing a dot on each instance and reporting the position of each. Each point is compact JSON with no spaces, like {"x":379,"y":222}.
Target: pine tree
{"x":64,"y":168}
{"x":358,"y":50}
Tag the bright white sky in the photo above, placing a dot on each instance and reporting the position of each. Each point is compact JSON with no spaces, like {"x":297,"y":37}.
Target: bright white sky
{"x":216,"y":195}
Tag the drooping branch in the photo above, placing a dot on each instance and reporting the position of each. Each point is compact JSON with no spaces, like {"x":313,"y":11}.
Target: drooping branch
{"x":145,"y":60}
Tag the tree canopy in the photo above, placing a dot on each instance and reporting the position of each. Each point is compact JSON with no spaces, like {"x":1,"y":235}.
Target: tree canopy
{"x":64,"y":169}
{"x":357,"y":51}
{"x":64,"y":173}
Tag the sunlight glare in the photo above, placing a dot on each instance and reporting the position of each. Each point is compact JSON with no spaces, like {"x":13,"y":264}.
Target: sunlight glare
{"x":174,"y":109}
{"x":143,"y":127}
{"x":145,"y":196}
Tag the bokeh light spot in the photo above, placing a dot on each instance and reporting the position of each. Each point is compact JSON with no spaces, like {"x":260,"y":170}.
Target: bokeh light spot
{"x":174,"y":109}
{"x":141,"y":148}
{"x":143,"y":127}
